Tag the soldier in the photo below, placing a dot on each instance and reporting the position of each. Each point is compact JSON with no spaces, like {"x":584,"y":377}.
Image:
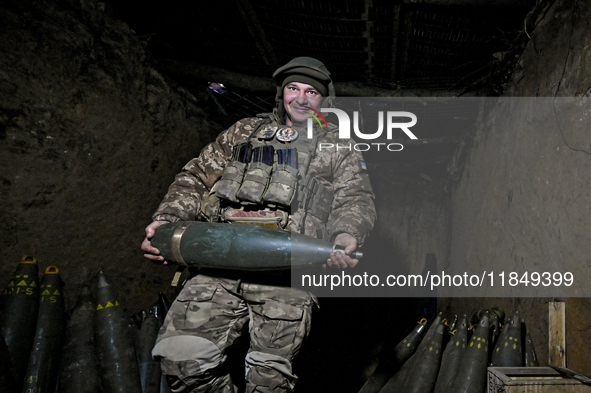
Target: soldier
{"x":264,"y":171}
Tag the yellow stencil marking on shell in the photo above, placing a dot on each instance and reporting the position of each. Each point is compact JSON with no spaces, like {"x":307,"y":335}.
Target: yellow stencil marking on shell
{"x":22,"y":284}
{"x":109,"y":304}
{"x":57,"y":292}
{"x":33,"y":284}
{"x":99,"y":307}
{"x":46,"y":293}
{"x":11,"y":284}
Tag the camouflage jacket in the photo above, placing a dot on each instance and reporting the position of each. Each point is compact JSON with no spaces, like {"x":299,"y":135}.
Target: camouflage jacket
{"x":341,"y":170}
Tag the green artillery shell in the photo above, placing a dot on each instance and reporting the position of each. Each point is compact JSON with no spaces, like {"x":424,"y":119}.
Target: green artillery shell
{"x":423,"y":376}
{"x":531,"y":359}
{"x":43,"y":368}
{"x":149,"y":368}
{"x":18,"y":316}
{"x":508,"y":351}
{"x":163,"y":307}
{"x":242,"y":247}
{"x":471,"y":376}
{"x":495,"y":331}
{"x":399,"y":380}
{"x":79,"y":370}
{"x":450,"y":362}
{"x":118,"y":370}
{"x":164,"y":388}
{"x":395,"y":359}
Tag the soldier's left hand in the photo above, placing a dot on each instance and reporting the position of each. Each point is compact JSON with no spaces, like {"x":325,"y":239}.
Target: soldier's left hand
{"x":342,"y":259}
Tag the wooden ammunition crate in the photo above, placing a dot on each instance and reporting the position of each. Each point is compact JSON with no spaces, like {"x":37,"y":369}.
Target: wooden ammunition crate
{"x":531,"y":380}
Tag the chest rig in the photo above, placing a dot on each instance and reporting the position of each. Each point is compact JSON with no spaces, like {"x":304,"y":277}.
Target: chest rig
{"x":268,"y":175}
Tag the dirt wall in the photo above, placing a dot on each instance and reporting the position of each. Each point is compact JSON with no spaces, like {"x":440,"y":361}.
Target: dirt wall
{"x":90,"y":137}
{"x":523,"y":198}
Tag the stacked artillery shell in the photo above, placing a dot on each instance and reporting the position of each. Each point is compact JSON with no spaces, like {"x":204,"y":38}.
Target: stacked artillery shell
{"x":149,"y":368}
{"x":395,"y":359}
{"x":42,"y":371}
{"x":164,"y":388}
{"x":217,"y":245}
{"x":138,"y":318}
{"x":422,"y":378}
{"x":163,"y":307}
{"x":453,"y":325}
{"x":79,"y":372}
{"x":18,"y":316}
{"x":116,"y":354}
{"x":6,"y":369}
{"x":472,"y":375}
{"x":494,"y":334}
{"x":402,"y":379}
{"x":508,"y":351}
{"x":530,"y":358}
{"x":452,"y":356}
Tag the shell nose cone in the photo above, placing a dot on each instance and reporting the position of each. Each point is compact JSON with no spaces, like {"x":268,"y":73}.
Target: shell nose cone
{"x":102,"y":280}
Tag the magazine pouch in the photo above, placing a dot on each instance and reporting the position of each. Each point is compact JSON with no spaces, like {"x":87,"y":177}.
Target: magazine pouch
{"x":255,"y":182}
{"x":282,"y":186}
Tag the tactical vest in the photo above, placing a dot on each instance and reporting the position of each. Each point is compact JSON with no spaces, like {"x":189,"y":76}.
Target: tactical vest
{"x":267,"y":176}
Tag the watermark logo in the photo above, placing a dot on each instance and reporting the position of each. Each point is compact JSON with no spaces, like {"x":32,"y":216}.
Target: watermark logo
{"x":315,"y":117}
{"x":391,"y":118}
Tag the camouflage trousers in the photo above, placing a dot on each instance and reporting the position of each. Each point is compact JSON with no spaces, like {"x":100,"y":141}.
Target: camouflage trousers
{"x":209,"y":314}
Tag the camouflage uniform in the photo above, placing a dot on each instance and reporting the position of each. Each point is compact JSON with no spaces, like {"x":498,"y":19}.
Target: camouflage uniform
{"x":210,"y":312}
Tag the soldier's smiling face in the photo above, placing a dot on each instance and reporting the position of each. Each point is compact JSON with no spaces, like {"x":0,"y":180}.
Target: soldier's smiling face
{"x":298,"y":98}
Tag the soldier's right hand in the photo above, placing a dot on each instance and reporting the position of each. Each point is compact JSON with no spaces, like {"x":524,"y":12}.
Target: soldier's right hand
{"x":152,"y":253}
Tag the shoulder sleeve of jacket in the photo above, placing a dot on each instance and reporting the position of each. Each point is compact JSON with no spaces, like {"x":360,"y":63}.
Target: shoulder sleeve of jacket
{"x":353,"y":209}
{"x":182,"y":201}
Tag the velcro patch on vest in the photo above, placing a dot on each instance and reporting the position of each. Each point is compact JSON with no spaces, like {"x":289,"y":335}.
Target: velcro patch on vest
{"x":276,"y":218}
{"x":267,"y":132}
{"x":287,"y":134}
{"x":260,"y":213}
{"x":365,"y":176}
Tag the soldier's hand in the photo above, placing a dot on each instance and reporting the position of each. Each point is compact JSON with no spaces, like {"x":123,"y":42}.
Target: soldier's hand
{"x":342,"y":259}
{"x":152,"y":253}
